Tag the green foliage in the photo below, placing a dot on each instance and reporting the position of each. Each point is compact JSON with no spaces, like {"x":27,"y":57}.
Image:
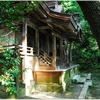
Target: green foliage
{"x":13,"y":12}
{"x":10,"y":61}
{"x":86,"y":54}
{"x":72,"y":7}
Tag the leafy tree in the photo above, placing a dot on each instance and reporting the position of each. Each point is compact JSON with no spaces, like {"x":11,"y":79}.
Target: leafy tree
{"x":13,"y":12}
{"x":10,"y":61}
{"x":86,"y":53}
{"x":91,"y":10}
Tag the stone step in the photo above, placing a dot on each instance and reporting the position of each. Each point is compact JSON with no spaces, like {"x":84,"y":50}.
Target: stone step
{"x":88,"y":76}
{"x":89,"y":82}
{"x":83,"y":92}
{"x":75,"y":78}
{"x":82,"y":80}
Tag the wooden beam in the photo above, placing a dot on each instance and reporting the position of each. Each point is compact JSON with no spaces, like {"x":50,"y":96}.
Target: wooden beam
{"x":32,"y":25}
{"x":59,"y":36}
{"x":29,"y":23}
{"x":43,"y":27}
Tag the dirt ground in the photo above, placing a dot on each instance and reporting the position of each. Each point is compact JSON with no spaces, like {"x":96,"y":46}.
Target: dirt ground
{"x":73,"y":91}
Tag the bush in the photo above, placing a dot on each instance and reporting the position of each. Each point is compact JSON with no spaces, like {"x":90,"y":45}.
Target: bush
{"x":10,"y":61}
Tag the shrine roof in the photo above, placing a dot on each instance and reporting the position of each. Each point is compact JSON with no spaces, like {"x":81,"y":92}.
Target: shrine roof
{"x":52,"y":14}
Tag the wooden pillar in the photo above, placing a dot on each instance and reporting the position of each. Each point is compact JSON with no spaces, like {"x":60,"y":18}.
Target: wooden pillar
{"x":37,"y":42}
{"x":24,"y":44}
{"x":61,"y":47}
{"x":53,"y":49}
{"x":67,"y":54}
{"x":24,"y":34}
{"x":24,"y":62}
{"x":70,"y":54}
{"x":47,"y":44}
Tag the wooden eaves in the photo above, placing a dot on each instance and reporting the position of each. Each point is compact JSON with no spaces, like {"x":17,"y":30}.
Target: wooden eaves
{"x":64,"y":22}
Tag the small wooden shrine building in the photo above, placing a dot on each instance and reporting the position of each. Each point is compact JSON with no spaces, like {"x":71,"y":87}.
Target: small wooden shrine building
{"x":45,"y":46}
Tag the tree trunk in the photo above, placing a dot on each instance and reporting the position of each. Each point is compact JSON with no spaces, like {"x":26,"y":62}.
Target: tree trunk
{"x":91,"y":11}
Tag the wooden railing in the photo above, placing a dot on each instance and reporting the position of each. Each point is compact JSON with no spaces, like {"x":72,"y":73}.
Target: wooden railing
{"x":2,"y":49}
{"x":45,"y":58}
{"x":29,"y":51}
{"x":25,"y":51}
{"x":22,"y":51}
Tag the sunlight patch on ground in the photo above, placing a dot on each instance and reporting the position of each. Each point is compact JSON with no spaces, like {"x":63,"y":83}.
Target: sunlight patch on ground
{"x":43,"y":95}
{"x":69,"y":93}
